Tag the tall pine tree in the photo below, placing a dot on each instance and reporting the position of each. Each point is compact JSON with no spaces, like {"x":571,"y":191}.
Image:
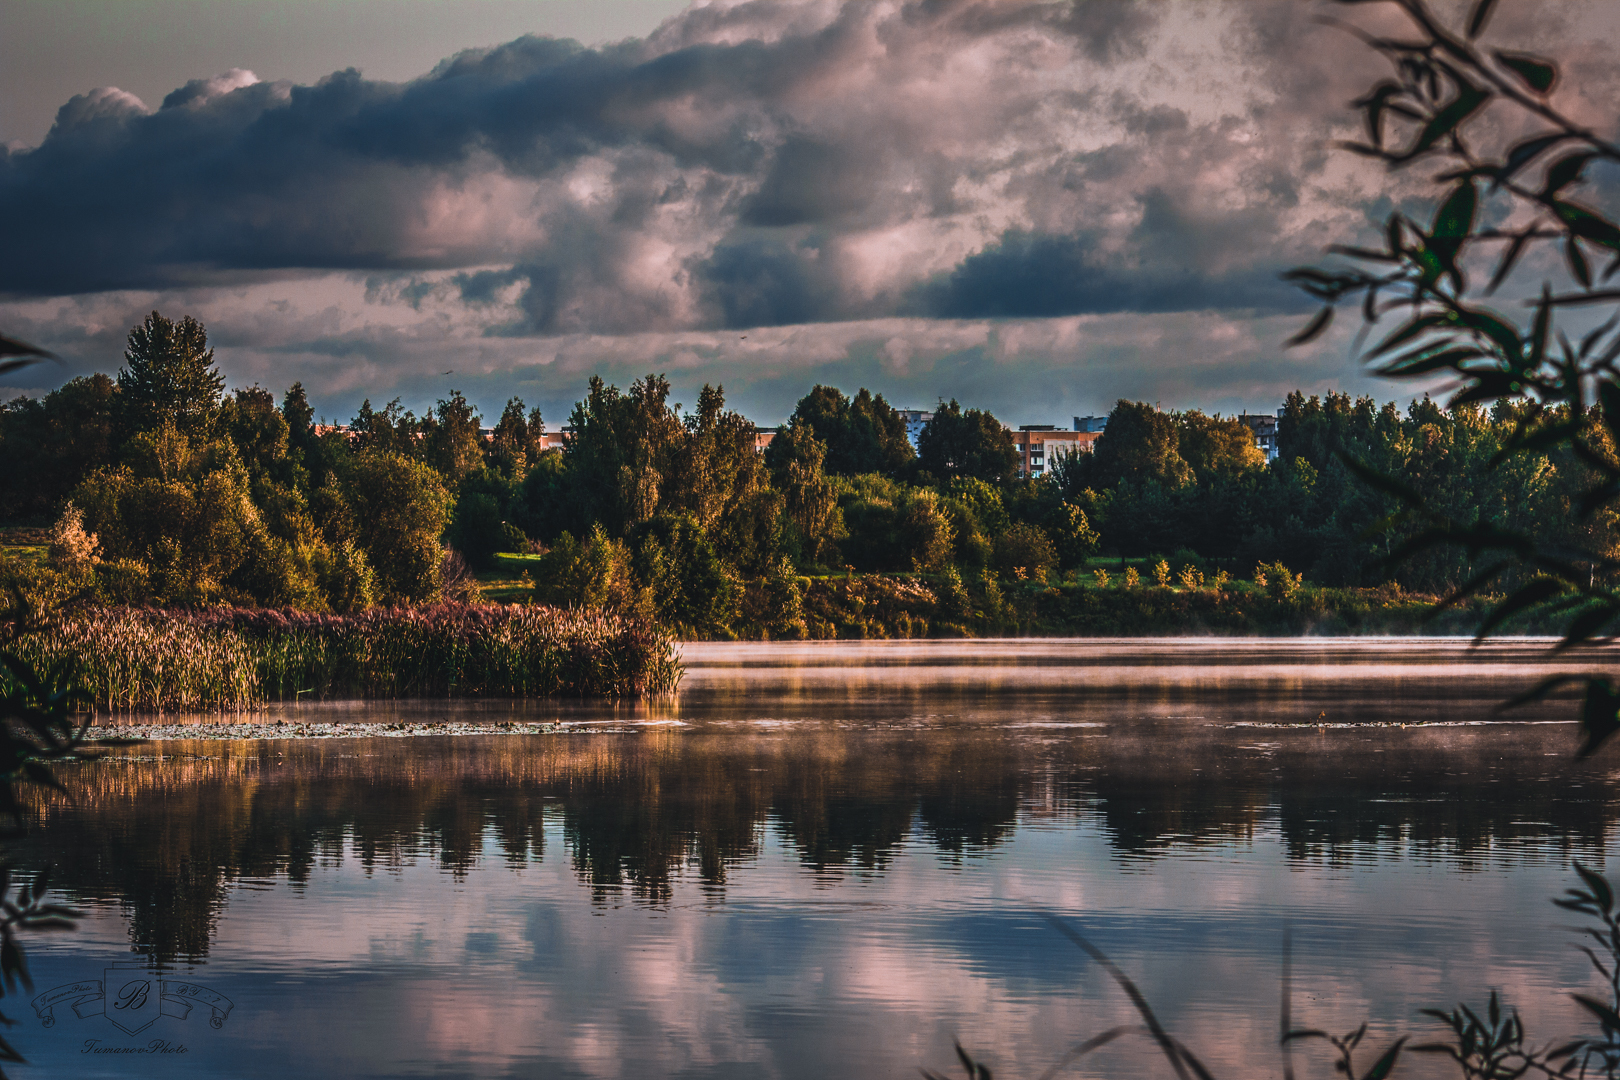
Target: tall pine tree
{"x":170,"y":376}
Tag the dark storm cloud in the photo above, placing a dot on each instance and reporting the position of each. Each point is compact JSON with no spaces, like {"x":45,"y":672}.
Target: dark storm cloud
{"x":764,"y":282}
{"x":809,"y":182}
{"x":749,"y":164}
{"x":1037,"y":276}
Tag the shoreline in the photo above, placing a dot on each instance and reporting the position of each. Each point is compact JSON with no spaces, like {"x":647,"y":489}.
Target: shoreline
{"x":1103,"y":668}
{"x":301,"y":732}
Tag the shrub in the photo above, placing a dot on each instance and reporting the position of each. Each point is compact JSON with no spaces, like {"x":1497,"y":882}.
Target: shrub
{"x":277,"y":573}
{"x":346,"y":578}
{"x":595,"y":573}
{"x":1072,"y":535}
{"x":1277,"y":581}
{"x":456,"y":578}
{"x":1161,"y":573}
{"x":925,"y":530}
{"x":72,"y":547}
{"x":996,"y":607}
{"x":954,"y":602}
{"x":512,"y":539}
{"x":783,"y":617}
{"x":122,"y":581}
{"x":1187,"y":556}
{"x":1026,"y":548}
{"x":690,"y":587}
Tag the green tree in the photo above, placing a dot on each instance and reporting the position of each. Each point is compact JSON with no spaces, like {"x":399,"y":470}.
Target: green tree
{"x":891,"y":525}
{"x":169,"y":376}
{"x":926,"y":531}
{"x":392,"y":429}
{"x":517,"y":440}
{"x":972,"y":444}
{"x":452,"y":434}
{"x":48,"y":447}
{"x":183,"y":514}
{"x":346,"y":578}
{"x":797,"y":461}
{"x":1214,"y":446}
{"x":1073,"y":538}
{"x":691,"y":586}
{"x":250,"y":419}
{"x":1025,"y":550}
{"x":595,"y":572}
{"x":1511,"y":166}
{"x":400,"y":509}
{"x":475,"y":528}
{"x":1139,"y":444}
{"x":299,"y":415}
{"x":545,"y":506}
{"x":718,"y":477}
{"x":863,"y":435}
{"x":621,"y":450}
{"x":977,"y":513}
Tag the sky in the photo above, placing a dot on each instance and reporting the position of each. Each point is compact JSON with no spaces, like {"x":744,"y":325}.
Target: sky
{"x":1032,"y":207}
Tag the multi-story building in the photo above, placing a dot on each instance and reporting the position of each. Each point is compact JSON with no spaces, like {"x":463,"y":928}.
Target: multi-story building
{"x":916,"y":420}
{"x":1040,"y":445}
{"x":1265,"y":431}
{"x":1091,"y":424}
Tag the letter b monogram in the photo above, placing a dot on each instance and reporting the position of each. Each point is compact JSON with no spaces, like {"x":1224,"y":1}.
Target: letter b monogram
{"x":133,"y":995}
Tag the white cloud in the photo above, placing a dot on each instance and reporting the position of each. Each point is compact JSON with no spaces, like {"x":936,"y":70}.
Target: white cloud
{"x":1036,"y":207}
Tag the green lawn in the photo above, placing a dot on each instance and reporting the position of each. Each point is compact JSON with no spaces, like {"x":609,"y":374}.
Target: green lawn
{"x":27,"y":544}
{"x":510,"y":581}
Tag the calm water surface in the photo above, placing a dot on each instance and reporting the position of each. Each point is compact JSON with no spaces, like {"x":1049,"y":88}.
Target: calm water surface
{"x":831,"y":860}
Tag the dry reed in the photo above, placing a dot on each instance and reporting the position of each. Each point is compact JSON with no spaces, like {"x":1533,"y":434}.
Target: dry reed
{"x":139,"y":660}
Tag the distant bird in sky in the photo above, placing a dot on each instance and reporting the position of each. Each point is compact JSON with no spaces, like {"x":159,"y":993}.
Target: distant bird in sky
{"x":452,"y":371}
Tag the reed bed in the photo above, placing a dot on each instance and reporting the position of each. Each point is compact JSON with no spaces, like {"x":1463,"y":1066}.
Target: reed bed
{"x":147,"y":660}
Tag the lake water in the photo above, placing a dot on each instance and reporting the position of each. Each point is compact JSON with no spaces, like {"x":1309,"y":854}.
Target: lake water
{"x":832,"y":860}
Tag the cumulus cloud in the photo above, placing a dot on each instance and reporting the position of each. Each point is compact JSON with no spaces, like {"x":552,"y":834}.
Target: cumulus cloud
{"x":103,"y":108}
{"x":901,"y":187}
{"x":348,"y":340}
{"x":749,"y":164}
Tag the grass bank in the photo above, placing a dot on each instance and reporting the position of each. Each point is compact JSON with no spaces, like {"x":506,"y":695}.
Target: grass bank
{"x":919,"y":605}
{"x":1107,"y":599}
{"x":141,"y":660}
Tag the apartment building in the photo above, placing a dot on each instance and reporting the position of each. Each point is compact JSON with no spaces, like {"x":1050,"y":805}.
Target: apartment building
{"x":1040,"y":445}
{"x":1264,"y":427}
{"x":916,"y":420}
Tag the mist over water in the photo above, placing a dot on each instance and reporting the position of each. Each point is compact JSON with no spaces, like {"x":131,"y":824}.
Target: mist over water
{"x":832,"y":859}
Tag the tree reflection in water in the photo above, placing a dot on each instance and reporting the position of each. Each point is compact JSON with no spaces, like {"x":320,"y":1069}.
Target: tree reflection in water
{"x":169,"y":837}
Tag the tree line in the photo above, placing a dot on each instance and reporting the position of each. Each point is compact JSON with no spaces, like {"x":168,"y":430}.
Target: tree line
{"x":165,"y":489}
{"x":1159,"y":481}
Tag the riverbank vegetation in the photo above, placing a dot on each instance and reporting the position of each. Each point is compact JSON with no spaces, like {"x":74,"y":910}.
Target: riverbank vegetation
{"x":156,"y":489}
{"x":134,"y":659}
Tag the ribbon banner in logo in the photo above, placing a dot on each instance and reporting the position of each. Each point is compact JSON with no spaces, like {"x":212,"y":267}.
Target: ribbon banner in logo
{"x":132,"y":996}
